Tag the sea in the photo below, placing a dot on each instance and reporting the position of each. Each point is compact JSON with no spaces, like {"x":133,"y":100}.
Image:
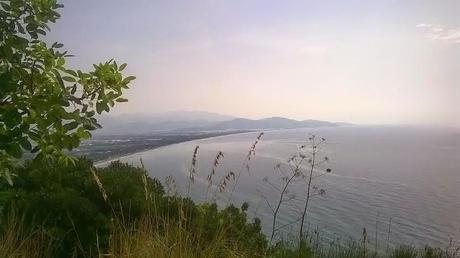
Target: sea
{"x":401,"y":184}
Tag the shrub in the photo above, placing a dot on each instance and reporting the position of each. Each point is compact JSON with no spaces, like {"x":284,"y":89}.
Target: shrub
{"x":65,"y":202}
{"x":60,"y":199}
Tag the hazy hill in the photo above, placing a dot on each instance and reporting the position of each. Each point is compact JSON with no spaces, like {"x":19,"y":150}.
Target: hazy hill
{"x":268,"y":123}
{"x":148,"y":123}
{"x":192,"y":121}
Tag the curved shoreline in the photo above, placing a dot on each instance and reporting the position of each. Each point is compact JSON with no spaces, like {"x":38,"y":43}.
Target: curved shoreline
{"x":105,"y":161}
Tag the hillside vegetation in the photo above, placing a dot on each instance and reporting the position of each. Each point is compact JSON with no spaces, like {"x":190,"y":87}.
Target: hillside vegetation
{"x":55,"y":210}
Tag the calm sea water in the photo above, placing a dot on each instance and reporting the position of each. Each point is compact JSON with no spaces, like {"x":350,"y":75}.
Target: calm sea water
{"x":411,"y":175}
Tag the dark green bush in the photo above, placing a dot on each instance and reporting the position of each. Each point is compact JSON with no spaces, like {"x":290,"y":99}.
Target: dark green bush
{"x":66,"y":201}
{"x":60,"y":199}
{"x":126,"y":190}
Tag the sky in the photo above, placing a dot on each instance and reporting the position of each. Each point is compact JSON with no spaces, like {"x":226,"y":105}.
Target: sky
{"x":367,"y":62}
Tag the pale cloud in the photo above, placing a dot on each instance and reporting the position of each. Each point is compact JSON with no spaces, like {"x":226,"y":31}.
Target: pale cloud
{"x":440,"y":33}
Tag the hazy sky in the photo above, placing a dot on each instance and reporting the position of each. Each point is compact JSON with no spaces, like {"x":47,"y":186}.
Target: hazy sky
{"x":353,"y":61}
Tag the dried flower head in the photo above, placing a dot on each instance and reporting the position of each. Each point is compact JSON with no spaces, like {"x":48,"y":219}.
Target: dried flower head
{"x":216,"y":162}
{"x":252,"y":150}
{"x":193,"y":165}
{"x":99,"y":184}
{"x":226,"y":180}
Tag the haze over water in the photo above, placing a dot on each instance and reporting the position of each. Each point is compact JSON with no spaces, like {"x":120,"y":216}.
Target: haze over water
{"x":408,"y":174}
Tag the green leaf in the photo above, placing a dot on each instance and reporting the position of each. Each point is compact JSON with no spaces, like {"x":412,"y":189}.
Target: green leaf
{"x":68,"y":79}
{"x":121,"y":100}
{"x":74,"y":89}
{"x":59,"y":79}
{"x":40,"y":31}
{"x":99,"y":107}
{"x":122,"y":67}
{"x":91,"y":113}
{"x":128,"y":79}
{"x":71,"y":126}
{"x":25,"y":144}
{"x":89,"y":127}
{"x":20,"y":28}
{"x":83,"y":134}
{"x":35,"y":149}
{"x":34,"y":136}
{"x":71,"y":72}
{"x":14,"y":149}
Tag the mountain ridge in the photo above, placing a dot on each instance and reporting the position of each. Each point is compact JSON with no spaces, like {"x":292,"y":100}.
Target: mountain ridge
{"x":194,"y":121}
{"x":269,"y":123}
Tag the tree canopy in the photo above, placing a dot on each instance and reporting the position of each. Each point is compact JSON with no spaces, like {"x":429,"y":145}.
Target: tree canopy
{"x":45,"y":107}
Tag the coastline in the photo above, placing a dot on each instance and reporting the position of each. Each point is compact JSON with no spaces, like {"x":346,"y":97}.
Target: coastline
{"x":178,"y":139}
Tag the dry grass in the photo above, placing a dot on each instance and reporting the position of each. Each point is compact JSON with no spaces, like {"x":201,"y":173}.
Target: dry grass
{"x":146,"y":239}
{"x":160,"y":236}
{"x":15,"y":242}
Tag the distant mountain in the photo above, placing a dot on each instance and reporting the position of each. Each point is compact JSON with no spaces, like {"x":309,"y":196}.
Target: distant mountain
{"x":267,"y":123}
{"x":195,"y":121}
{"x":167,"y":117}
{"x":151,"y":123}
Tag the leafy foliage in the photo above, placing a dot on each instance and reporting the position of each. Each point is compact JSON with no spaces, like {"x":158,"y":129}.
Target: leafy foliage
{"x":46,"y":108}
{"x":65,"y":201}
{"x":59,"y":198}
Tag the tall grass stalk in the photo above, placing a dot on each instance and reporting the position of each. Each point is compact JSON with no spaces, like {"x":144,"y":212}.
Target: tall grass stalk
{"x":17,"y":242}
{"x":251,"y":154}
{"x":210,"y":177}
{"x":192,"y":170}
